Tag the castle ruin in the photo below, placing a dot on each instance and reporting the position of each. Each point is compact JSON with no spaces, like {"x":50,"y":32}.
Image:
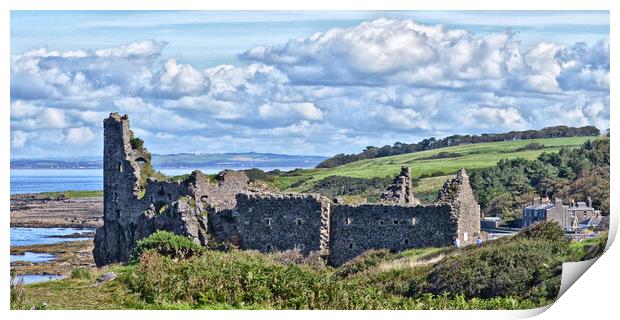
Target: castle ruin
{"x":230,"y":209}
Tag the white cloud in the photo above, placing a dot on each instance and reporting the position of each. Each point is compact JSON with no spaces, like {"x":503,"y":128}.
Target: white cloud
{"x":52,"y":118}
{"x":140,"y":49}
{"x":495,"y":118}
{"x":304,"y":110}
{"x":79,"y":136}
{"x":378,"y":82}
{"x":182,"y":79}
{"x":19,"y":138}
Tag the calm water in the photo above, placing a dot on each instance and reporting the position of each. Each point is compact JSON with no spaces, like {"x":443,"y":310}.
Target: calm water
{"x":30,"y":236}
{"x":42,"y":180}
{"x":32,"y":257}
{"x":46,"y":180}
{"x":35,"y":278}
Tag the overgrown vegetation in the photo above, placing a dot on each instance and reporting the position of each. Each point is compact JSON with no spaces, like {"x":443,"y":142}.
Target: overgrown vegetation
{"x":168,"y":244}
{"x":505,"y":268}
{"x":517,"y":272}
{"x":136,"y":143}
{"x":81,"y":273}
{"x":334,"y":186}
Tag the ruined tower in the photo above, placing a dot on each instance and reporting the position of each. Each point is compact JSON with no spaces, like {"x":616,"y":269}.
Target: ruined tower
{"x":401,"y":190}
{"x":137,"y":201}
{"x":459,"y":195}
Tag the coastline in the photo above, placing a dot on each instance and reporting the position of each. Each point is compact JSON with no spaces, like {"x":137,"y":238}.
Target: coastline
{"x":41,"y":210}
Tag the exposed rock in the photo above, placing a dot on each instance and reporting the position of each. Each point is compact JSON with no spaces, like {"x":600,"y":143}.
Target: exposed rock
{"x":108,"y":276}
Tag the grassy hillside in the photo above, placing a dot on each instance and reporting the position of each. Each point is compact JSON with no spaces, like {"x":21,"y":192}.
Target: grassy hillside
{"x":473,"y":156}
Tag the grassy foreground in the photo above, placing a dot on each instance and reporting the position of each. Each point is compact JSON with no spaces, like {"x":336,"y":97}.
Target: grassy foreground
{"x":473,"y":156}
{"x":519,"y":272}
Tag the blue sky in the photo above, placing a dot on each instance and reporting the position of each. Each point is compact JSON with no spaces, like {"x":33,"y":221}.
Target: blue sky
{"x":300,"y":82}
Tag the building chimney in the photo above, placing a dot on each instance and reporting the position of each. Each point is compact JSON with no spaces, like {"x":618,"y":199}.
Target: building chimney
{"x":589,"y":202}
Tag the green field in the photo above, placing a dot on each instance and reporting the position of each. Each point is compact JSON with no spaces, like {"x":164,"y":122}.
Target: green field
{"x":76,"y":194}
{"x":474,"y":156}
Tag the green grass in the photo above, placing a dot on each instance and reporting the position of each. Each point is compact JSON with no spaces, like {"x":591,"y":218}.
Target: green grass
{"x":75,"y":194}
{"x":377,"y":280}
{"x":475,"y":156}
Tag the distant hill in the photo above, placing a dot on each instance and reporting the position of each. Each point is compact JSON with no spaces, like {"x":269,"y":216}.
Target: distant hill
{"x":183,"y":160}
{"x":433,"y":170}
{"x":371,"y":152}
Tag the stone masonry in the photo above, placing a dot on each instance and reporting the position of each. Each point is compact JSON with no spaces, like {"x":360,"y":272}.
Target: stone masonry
{"x":401,"y":190}
{"x":230,"y":209}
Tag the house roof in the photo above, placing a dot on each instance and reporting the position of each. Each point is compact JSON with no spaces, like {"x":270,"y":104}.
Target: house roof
{"x":539,"y":206}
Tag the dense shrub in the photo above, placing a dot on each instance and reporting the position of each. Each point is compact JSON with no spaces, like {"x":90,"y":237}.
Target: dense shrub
{"x":168,"y":244}
{"x":249,"y":279}
{"x":136,"y":143}
{"x":494,"y":271}
{"x":313,"y":260}
{"x":242,"y":279}
{"x":361,"y":263}
{"x":545,"y":230}
{"x":258,"y":174}
{"x":333,"y":186}
{"x":531,"y":146}
{"x":506,"y":267}
{"x":81,"y":273}
{"x":443,"y":155}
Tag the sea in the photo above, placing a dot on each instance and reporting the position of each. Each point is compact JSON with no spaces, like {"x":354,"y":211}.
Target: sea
{"x":46,"y":180}
{"x":52,"y":180}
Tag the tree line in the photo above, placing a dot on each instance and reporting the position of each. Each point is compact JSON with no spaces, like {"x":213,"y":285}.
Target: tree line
{"x":568,"y":174}
{"x":371,"y":152}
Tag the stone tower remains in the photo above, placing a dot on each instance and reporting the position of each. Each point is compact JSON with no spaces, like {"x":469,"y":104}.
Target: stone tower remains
{"x":228,"y":208}
{"x":401,"y":190}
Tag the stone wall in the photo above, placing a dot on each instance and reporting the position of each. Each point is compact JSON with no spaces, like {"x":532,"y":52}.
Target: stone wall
{"x":466,"y":210}
{"x":355,"y":229}
{"x":270,"y":222}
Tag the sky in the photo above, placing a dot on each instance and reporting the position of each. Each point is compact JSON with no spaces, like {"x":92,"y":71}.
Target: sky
{"x":314,"y":83}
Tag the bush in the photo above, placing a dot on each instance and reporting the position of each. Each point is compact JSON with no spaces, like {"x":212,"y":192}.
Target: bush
{"x":531,"y":146}
{"x":334,"y":186}
{"x":361,"y":263}
{"x":168,"y":244}
{"x":247,"y":279}
{"x":81,"y":273}
{"x":258,"y":174}
{"x":243,"y":279}
{"x":136,"y":143}
{"x":499,"y":268}
{"x":545,"y":230}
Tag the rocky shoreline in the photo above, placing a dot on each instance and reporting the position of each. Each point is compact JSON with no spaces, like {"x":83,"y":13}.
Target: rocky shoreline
{"x":42,"y":211}
{"x":66,"y":256}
